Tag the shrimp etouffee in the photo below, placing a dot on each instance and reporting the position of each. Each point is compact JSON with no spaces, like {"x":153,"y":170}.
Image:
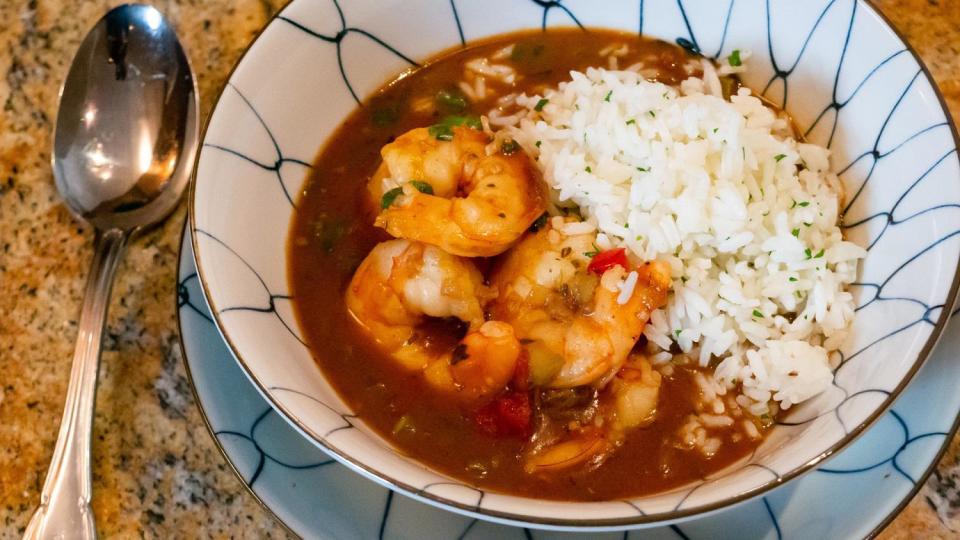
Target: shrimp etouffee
{"x":482,"y":329}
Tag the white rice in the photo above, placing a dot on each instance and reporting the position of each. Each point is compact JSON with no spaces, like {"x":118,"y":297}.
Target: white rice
{"x":499,"y":72}
{"x":715,"y":421}
{"x":746,"y":216}
{"x":626,"y":288}
{"x":469,"y":90}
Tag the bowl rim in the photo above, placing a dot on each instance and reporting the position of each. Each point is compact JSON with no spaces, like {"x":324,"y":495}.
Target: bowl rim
{"x":572,"y":523}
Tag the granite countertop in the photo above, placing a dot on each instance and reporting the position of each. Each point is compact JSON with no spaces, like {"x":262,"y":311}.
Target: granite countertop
{"x":157,"y":472}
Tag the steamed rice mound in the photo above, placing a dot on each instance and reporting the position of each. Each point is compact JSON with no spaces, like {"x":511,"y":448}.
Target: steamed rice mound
{"x":746,"y":216}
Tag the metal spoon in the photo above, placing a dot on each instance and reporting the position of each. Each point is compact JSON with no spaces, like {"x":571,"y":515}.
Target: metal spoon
{"x":124,"y":145}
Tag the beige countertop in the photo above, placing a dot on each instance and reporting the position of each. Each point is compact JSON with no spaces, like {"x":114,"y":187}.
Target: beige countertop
{"x":157,"y":472}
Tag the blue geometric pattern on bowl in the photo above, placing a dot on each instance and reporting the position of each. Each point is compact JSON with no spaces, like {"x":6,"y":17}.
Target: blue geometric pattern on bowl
{"x":846,"y":78}
{"x":850,"y":497}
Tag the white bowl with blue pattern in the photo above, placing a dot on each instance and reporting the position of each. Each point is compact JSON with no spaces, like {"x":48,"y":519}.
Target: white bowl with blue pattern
{"x":854,"y":495}
{"x":846,"y":77}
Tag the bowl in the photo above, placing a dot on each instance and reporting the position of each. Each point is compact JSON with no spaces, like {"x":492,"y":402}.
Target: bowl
{"x":838,"y":68}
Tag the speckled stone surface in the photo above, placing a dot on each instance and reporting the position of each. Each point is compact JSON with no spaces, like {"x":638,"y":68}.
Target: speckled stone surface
{"x":157,"y":472}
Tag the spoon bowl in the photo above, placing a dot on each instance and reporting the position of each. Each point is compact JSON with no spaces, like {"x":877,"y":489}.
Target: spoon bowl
{"x":127,"y":121}
{"x":125,"y":141}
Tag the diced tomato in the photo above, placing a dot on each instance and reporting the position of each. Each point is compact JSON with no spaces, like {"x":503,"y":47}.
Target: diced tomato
{"x":507,"y":416}
{"x":486,"y":419}
{"x":606,"y":260}
{"x":521,"y":373}
{"x":515,"y":411}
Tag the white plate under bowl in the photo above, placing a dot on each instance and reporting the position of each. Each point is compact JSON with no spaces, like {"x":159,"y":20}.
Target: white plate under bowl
{"x":854,"y":496}
{"x":836,"y":66}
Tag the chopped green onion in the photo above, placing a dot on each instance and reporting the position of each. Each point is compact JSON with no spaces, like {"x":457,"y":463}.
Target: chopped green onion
{"x":643,"y":169}
{"x":792,"y":279}
{"x":795,"y":233}
{"x":588,"y":169}
{"x":538,"y":144}
{"x":422,"y":186}
{"x":386,"y":115}
{"x":803,"y":204}
{"x":592,"y":254}
{"x":328,"y":233}
{"x":451,"y":100}
{"x":631,"y":121}
{"x":607,"y":97}
{"x":808,"y":253}
{"x":734,"y":58}
{"x":405,"y":423}
{"x":441,"y":132}
{"x":387,"y":200}
{"x":470,"y":122}
{"x":509,"y":147}
{"x":818,"y":255}
{"x":444,"y":130}
{"x":652,"y":114}
{"x":757,"y":314}
{"x":778,"y":157}
{"x":541,"y":104}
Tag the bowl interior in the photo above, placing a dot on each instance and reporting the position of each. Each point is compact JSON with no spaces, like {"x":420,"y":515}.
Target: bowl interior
{"x":843,"y":74}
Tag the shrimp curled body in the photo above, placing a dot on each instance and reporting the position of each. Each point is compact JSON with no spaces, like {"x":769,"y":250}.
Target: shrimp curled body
{"x":402,"y":283}
{"x":629,"y":402}
{"x":580,"y":323}
{"x":454,"y":195}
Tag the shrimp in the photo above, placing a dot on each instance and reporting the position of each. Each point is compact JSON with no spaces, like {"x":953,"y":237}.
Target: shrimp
{"x":628,"y":402}
{"x":635,"y":392}
{"x":481,"y":364}
{"x":417,"y":156}
{"x":589,"y":445}
{"x":452,"y":194}
{"x":580,"y":327}
{"x":400,"y":284}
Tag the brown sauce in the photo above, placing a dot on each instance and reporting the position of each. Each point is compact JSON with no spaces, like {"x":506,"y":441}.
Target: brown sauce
{"x":332,"y":232}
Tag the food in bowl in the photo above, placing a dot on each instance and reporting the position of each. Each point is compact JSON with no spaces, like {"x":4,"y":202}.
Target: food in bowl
{"x":555,"y":279}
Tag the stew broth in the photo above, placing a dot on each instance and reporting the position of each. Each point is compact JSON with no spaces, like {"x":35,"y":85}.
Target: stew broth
{"x":333,"y":230}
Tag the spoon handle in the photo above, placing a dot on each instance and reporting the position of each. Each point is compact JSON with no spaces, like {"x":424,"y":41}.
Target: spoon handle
{"x":65,"y":510}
